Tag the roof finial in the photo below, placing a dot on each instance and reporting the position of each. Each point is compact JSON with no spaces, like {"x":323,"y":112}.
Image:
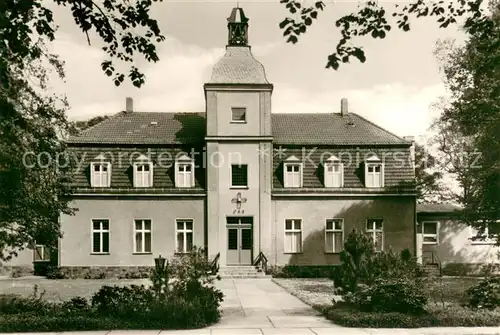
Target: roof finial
{"x":237,"y":4}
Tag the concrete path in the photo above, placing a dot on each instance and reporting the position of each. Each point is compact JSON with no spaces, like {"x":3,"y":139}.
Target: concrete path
{"x":260,"y":306}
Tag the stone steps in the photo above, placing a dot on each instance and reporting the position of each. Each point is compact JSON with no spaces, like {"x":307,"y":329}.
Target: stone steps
{"x":432,"y":270}
{"x":241,"y":272}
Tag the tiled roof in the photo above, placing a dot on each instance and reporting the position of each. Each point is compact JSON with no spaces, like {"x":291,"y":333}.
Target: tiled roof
{"x":329,"y":129}
{"x":287,"y":129}
{"x":437,"y":208}
{"x":146,"y":128}
{"x":238,"y":66}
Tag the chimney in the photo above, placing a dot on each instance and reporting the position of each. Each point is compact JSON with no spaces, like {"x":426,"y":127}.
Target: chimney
{"x":411,"y":139}
{"x":129,"y":105}
{"x":343,"y":107}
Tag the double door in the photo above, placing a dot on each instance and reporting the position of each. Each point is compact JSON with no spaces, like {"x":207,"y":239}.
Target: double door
{"x":239,"y":240}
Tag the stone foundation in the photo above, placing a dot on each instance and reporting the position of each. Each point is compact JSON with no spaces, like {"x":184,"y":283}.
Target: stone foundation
{"x":103,"y":272}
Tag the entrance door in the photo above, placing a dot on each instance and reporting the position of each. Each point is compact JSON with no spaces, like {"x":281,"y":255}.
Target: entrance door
{"x":239,"y":240}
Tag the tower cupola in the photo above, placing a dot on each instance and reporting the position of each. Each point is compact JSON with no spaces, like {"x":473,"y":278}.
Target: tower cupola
{"x":237,"y":25}
{"x":238,"y":65}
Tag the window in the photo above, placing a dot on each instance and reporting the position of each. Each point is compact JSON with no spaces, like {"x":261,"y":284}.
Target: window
{"x":143,"y":174}
{"x":238,"y":114}
{"x":293,"y":172}
{"x":334,"y":235}
{"x":375,"y":230}
{"x":100,"y":236}
{"x":184,"y":170}
{"x":184,"y":233}
{"x":334,"y":172}
{"x":239,"y":175}
{"x":429,"y":231}
{"x":41,"y":254}
{"x":493,"y":229}
{"x":293,"y":175}
{"x":100,"y":174}
{"x":293,"y":236}
{"x":142,"y":236}
{"x":374,"y":172}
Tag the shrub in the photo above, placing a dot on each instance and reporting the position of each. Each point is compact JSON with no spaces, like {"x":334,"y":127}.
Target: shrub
{"x":394,"y":295}
{"x":485,"y":295}
{"x":182,"y":295}
{"x":352,"y":317}
{"x":453,"y":316}
{"x":76,"y":304}
{"x":356,"y":258}
{"x":34,"y":303}
{"x":361,"y":265}
{"x":123,"y":301}
{"x":54,"y":272}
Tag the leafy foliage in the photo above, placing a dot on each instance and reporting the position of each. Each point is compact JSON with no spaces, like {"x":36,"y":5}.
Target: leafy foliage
{"x":452,"y":316}
{"x":356,"y":259}
{"x":373,"y":19}
{"x":470,"y":122}
{"x":182,"y":289}
{"x":33,"y":303}
{"x":428,"y":177}
{"x":378,"y":282}
{"x":361,"y":266}
{"x":123,"y":301}
{"x":116,"y":23}
{"x":182,"y":296}
{"x":392,"y":295}
{"x":76,"y":127}
{"x":485,"y":295}
{"x":34,"y":171}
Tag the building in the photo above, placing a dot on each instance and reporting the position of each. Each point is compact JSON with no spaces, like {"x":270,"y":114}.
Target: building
{"x":236,"y":179}
{"x":447,"y":243}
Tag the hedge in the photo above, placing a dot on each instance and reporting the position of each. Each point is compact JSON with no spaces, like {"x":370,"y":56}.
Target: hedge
{"x":451,"y":316}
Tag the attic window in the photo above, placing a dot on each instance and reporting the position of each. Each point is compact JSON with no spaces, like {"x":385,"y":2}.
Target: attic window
{"x":238,"y":114}
{"x":292,"y":172}
{"x":143,"y":172}
{"x":184,"y":171}
{"x":333,"y":172}
{"x":100,"y":174}
{"x":374,"y":172}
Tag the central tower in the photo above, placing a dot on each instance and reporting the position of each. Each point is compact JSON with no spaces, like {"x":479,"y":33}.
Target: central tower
{"x":239,"y":151}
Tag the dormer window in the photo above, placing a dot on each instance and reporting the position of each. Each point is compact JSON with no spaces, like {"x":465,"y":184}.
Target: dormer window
{"x":374,"y":172}
{"x":184,"y":172}
{"x":143,"y":172}
{"x":100,"y":172}
{"x":293,"y":172}
{"x":333,"y":172}
{"x":238,"y":114}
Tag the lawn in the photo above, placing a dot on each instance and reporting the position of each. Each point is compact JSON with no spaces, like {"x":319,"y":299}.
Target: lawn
{"x":314,"y":292}
{"x":62,"y":289}
{"x":444,"y":307}
{"x":319,"y":292}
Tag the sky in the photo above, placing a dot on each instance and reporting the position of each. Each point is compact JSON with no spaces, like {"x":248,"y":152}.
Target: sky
{"x":394,"y":88}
